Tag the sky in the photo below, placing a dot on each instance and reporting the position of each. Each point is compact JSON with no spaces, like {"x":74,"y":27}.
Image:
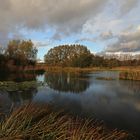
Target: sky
{"x":101,"y":25}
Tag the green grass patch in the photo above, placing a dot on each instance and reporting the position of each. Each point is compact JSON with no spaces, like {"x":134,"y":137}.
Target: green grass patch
{"x":11,"y":86}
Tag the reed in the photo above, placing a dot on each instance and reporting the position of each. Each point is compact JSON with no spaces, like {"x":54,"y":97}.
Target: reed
{"x":35,"y":122}
{"x":130,"y":75}
{"x":105,"y":78}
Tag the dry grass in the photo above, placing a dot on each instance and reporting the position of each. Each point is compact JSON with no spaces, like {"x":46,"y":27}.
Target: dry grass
{"x":75,"y":69}
{"x":88,"y":69}
{"x":130,"y":75}
{"x":34,"y":122}
{"x":44,"y":67}
{"x":127,"y":68}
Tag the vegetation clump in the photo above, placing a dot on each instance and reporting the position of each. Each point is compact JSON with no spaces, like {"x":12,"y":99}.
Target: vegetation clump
{"x":69,"y":56}
{"x":130,"y":75}
{"x":105,"y":78}
{"x":11,"y":86}
{"x":42,"y":123}
{"x":17,"y":55}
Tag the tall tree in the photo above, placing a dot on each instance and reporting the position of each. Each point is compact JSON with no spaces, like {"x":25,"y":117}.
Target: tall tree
{"x":69,"y":55}
{"x":21,"y":51}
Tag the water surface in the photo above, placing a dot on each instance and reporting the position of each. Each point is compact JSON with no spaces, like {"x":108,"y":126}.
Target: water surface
{"x":116,"y":102}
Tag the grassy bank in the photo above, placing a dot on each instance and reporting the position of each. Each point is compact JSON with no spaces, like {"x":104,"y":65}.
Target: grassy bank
{"x":130,"y":75}
{"x":88,"y":69}
{"x":40,"y":68}
{"x":127,"y":68}
{"x":75,"y":69}
{"x":36,"y":122}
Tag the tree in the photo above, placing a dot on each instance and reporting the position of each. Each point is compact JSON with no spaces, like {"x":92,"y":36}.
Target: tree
{"x":22,"y":52}
{"x":69,"y":55}
{"x":83,"y":60}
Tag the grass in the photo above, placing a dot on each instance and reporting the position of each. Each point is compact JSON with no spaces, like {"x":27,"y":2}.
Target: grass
{"x":39,"y":122}
{"x":88,"y":69}
{"x":105,"y":78}
{"x":127,"y":68}
{"x":11,"y":86}
{"x":130,"y":75}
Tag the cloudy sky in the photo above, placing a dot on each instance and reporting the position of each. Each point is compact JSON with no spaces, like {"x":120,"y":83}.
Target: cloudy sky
{"x":102,"y":25}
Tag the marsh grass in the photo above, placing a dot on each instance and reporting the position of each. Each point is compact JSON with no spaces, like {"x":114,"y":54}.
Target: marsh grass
{"x":88,"y":69}
{"x":11,"y":86}
{"x":130,"y":75}
{"x":71,"y":69}
{"x":105,"y":78}
{"x":39,"y":122}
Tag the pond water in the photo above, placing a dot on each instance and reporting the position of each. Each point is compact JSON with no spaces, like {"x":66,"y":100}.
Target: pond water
{"x":116,"y":102}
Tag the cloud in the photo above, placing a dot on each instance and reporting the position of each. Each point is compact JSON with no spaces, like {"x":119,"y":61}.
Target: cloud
{"x":127,"y":42}
{"x":106,"y":35}
{"x":85,"y":39}
{"x":57,"y":36}
{"x":39,"y":44}
{"x":103,"y":36}
{"x":127,"y":5}
{"x":65,"y":16}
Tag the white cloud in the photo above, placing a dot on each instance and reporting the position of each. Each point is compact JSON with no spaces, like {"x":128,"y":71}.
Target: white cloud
{"x":39,"y":44}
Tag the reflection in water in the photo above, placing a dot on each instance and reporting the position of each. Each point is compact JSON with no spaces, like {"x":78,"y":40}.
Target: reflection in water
{"x":112,"y":105}
{"x":114,"y":101}
{"x":132,"y":86}
{"x":14,"y":99}
{"x":67,"y":82}
{"x":18,"y":77}
{"x":20,"y":98}
{"x":10,"y":98}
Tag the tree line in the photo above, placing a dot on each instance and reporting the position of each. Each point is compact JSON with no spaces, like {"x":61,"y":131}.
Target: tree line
{"x":17,"y":54}
{"x":80,"y":56}
{"x":21,"y":53}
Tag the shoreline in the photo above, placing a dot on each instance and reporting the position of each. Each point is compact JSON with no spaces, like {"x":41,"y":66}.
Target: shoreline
{"x":88,"y":69}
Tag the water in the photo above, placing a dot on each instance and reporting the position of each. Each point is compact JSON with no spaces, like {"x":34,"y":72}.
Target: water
{"x":116,"y":102}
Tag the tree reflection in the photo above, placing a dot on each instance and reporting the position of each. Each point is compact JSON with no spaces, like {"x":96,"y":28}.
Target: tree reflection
{"x":18,"y":77}
{"x":67,"y":82}
{"x":132,"y":86}
{"x":21,"y":97}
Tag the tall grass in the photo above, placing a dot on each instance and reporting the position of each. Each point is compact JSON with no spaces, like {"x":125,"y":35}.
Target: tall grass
{"x":34,"y":122}
{"x":130,"y":75}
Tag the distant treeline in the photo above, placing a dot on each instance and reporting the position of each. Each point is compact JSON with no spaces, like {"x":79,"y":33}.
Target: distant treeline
{"x":17,"y":55}
{"x":99,"y":61}
{"x":80,"y":56}
{"x":21,"y":53}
